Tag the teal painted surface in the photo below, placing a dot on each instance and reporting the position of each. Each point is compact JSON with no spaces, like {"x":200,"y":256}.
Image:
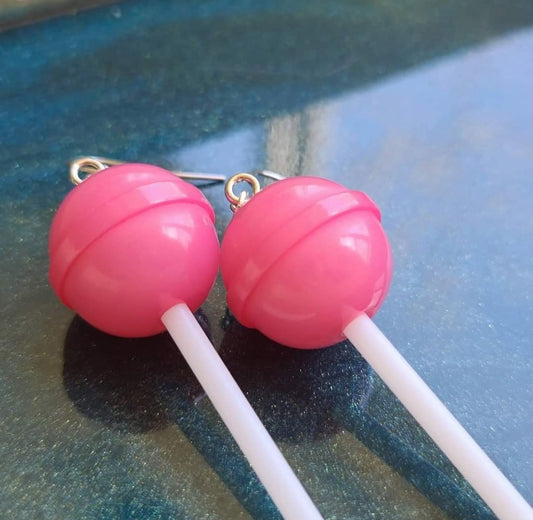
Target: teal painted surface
{"x":426,"y":107}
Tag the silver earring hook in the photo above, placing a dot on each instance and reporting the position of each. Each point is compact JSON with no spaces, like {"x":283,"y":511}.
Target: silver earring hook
{"x":238,"y":200}
{"x":92,"y":164}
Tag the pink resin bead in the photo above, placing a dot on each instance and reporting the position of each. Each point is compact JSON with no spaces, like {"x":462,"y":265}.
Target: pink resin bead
{"x":303,"y":258}
{"x":129,"y":243}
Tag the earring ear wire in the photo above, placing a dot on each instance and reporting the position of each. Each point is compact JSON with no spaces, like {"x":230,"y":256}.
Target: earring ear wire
{"x":93,"y":164}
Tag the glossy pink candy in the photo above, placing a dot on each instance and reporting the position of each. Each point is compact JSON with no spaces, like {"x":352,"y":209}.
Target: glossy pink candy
{"x":303,"y":258}
{"x":129,"y":243}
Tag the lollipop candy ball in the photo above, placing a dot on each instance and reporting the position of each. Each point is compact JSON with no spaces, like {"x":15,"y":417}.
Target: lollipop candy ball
{"x":129,"y":243}
{"x":303,"y":258}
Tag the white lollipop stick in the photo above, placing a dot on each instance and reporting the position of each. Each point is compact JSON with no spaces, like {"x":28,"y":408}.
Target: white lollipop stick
{"x":474,"y":464}
{"x":264,"y":456}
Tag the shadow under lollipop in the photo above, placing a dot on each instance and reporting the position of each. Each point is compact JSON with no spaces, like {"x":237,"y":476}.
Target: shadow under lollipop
{"x":140,"y":385}
{"x":294,"y":391}
{"x":307,"y":395}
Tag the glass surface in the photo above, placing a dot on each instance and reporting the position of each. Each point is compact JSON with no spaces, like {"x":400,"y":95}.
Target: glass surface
{"x":425,"y":106}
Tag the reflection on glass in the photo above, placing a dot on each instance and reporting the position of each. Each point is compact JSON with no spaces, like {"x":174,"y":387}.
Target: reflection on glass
{"x":294,"y":143}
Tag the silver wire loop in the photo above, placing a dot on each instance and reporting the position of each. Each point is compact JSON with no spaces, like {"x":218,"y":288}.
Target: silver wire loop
{"x":239,"y":200}
{"x":87,"y":165}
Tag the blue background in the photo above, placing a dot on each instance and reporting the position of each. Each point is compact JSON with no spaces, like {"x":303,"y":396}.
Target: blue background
{"x":426,"y":106}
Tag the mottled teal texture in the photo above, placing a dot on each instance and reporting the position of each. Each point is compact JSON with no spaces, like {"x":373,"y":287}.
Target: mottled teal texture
{"x":424,"y":105}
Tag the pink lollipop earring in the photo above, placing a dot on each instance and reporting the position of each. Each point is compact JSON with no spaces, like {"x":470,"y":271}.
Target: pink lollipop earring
{"x":133,"y":250}
{"x":307,"y":262}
